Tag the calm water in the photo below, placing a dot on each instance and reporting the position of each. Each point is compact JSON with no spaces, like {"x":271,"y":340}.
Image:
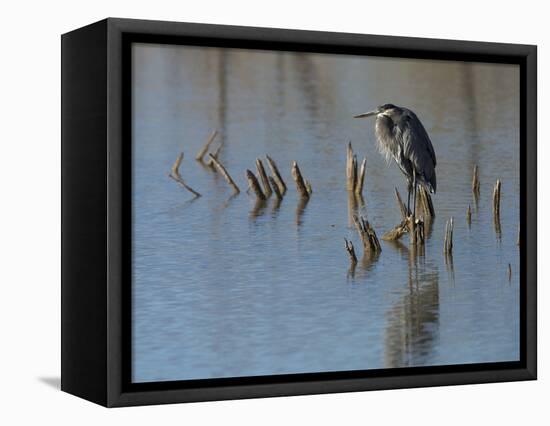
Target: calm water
{"x":223,"y":287}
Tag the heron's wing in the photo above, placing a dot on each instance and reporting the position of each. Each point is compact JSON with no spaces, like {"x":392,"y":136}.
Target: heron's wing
{"x":417,"y":147}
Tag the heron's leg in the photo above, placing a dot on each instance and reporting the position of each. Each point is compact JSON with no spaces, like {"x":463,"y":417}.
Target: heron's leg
{"x":414,"y":202}
{"x":409,"y":190}
{"x":414,"y":195}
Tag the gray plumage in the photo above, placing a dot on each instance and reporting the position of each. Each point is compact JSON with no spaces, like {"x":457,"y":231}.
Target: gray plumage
{"x":401,"y":136}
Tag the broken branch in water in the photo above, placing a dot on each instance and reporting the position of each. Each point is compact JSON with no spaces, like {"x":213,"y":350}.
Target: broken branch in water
{"x":448,"y":244}
{"x":263,"y":177}
{"x":367,"y":234}
{"x":175,"y":175}
{"x":416,"y":230}
{"x":361,"y":177}
{"x":255,"y":185}
{"x":351,"y":251}
{"x":496,"y":199}
{"x":351,"y":168}
{"x":221,"y":169}
{"x":354,"y":179}
{"x":402,"y":207}
{"x":276,"y":175}
{"x":300,"y":184}
{"x":425,"y":202}
{"x":402,"y":228}
{"x":475,"y":181}
{"x":275,"y":188}
{"x":205,"y":147}
{"x":216,"y":154}
{"x":397,"y":232}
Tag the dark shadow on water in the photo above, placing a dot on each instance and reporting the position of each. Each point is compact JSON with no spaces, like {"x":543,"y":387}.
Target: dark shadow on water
{"x":53,"y":382}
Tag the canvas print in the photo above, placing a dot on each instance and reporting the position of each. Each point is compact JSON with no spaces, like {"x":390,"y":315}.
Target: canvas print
{"x":300,"y":212}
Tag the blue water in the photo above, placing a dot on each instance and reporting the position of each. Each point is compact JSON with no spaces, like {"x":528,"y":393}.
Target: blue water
{"x":223,"y":287}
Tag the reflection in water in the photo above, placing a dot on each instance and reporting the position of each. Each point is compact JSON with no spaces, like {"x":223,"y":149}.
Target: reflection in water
{"x":450,"y":266}
{"x":498,"y":229}
{"x":228,"y":201}
{"x":360,"y":270}
{"x":413,"y":321}
{"x":475,"y":196}
{"x":258,"y":209}
{"x":300,"y":208}
{"x":276,"y":206}
{"x":356,"y":207}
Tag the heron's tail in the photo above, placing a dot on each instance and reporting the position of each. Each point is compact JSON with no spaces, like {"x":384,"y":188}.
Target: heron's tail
{"x":432,"y":184}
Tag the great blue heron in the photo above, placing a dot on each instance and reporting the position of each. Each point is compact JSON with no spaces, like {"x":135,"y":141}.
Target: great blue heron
{"x":401,"y":136}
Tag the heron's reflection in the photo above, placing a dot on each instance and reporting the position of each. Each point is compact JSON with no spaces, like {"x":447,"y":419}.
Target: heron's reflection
{"x":413,"y":321}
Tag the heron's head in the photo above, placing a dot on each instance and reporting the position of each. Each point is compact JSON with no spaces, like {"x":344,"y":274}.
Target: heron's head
{"x":388,"y":110}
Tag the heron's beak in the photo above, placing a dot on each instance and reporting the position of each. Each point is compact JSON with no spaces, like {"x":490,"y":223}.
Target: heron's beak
{"x":367,"y":114}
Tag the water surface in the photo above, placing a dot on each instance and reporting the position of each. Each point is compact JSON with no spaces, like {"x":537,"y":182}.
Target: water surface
{"x":224,"y":287}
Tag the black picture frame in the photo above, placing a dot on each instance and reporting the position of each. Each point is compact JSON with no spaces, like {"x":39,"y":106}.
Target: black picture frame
{"x":96,"y":215}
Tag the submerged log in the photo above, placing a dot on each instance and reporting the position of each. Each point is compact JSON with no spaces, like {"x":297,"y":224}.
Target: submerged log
{"x":263,"y":177}
{"x":255,"y":185}
{"x":205,"y":147}
{"x":276,"y":175}
{"x":300,"y":184}
{"x":221,"y":169}
{"x":175,"y":175}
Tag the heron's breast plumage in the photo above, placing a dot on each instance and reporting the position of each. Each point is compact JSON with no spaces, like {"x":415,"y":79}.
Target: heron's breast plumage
{"x":385,"y":138}
{"x":407,"y":142}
